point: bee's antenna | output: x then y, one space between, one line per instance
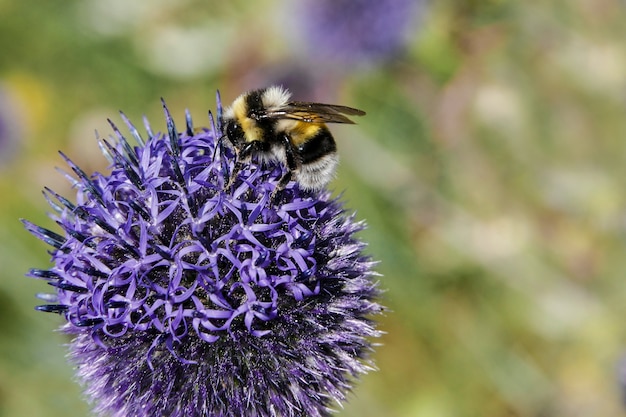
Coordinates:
218 145
215 129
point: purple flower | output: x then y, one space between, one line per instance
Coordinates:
188 295
357 31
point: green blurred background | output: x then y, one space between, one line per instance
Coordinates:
491 169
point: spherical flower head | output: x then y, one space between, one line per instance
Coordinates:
191 293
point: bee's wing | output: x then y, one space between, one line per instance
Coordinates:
314 112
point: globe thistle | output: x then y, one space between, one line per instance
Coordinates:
190 293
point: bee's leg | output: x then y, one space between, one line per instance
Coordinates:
284 180
293 164
234 173
250 148
243 156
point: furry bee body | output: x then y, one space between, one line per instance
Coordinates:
267 124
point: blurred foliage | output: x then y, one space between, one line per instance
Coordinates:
490 169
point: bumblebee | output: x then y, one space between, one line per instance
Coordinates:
265 123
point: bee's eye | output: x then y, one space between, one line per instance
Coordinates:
234 132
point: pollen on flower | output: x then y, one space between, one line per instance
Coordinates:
188 294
